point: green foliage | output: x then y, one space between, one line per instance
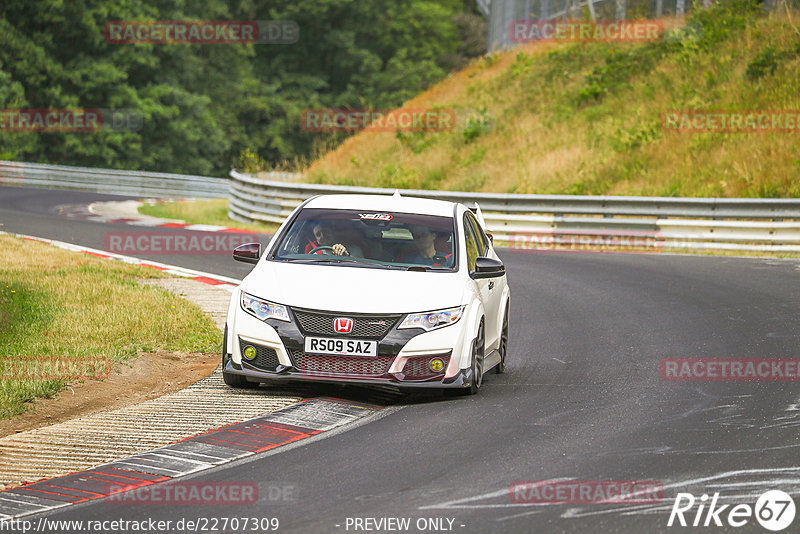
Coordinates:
490 59
704 29
22 309
476 156
522 64
672 190
684 42
767 61
250 162
476 125
632 138
767 190
417 142
723 20
203 105
619 67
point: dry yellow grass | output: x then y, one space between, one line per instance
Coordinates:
542 135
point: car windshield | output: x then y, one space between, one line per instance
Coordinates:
367 238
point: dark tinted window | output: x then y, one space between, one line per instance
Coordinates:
482 240
472 243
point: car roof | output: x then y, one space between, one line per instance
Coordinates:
384 203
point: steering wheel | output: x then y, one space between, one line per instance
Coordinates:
315 249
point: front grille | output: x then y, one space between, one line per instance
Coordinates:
266 357
364 326
322 364
417 368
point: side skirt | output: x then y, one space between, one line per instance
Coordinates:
491 360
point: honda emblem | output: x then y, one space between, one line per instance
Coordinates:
342 325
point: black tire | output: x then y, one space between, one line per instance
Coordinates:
478 352
233 380
477 347
500 368
238 381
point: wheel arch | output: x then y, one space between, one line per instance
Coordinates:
505 302
473 319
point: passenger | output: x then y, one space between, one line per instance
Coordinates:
442 244
427 252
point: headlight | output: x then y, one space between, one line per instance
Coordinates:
432 320
263 309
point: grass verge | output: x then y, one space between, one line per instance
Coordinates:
66 316
213 211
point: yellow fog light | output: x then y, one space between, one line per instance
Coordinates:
249 352
436 365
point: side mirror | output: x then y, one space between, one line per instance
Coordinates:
247 253
488 268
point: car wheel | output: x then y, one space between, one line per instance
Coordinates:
478 346
476 350
233 380
501 367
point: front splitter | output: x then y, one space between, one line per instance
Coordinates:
292 374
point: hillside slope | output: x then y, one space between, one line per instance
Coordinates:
587 118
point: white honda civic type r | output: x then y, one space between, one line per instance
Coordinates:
371 289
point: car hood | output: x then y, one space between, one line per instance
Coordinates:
353 289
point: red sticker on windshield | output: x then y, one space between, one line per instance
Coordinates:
375 216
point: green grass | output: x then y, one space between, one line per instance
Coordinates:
66 315
586 118
202 212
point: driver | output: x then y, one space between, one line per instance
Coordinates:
327 234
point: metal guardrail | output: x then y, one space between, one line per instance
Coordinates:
520 221
523 221
111 181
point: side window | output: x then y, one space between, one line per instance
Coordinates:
483 241
472 244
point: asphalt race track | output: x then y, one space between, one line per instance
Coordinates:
35 212
582 399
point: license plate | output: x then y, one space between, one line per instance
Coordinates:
341 347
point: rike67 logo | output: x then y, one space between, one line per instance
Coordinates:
774 510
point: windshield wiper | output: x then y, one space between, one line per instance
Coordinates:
326 260
424 268
362 262
338 260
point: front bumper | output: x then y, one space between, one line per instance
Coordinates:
402 354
